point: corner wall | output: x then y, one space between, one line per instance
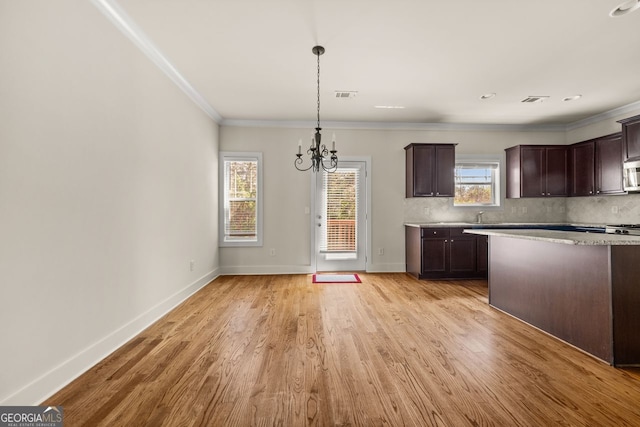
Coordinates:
108 189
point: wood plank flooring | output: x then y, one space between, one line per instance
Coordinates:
391 351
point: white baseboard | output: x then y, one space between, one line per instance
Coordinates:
252 270
398 267
249 270
40 389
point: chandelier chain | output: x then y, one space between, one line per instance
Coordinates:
318 55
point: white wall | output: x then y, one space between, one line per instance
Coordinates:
108 182
287 191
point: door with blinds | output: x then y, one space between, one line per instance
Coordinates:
341 218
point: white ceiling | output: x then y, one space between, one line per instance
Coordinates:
251 59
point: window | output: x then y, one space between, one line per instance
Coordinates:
477 183
241 199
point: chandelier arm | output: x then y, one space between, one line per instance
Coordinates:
299 161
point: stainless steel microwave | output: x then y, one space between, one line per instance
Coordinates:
632 176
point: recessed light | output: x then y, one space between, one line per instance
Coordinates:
572 98
389 107
487 96
625 8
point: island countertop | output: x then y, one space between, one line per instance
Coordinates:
564 237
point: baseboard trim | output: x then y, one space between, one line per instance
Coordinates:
387 268
48 384
253 270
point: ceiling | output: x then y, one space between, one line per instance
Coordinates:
251 60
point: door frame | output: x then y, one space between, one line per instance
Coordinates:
313 222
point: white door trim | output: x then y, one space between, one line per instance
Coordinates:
313 221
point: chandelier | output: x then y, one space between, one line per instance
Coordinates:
320 158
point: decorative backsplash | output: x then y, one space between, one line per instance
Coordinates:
622 209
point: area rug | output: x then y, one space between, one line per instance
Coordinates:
336 278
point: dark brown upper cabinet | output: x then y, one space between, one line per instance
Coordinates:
596 166
430 170
537 171
631 137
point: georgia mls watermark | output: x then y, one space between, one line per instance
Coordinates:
31 416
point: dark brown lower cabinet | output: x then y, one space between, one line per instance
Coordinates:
445 253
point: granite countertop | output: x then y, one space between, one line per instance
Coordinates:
565 237
496 224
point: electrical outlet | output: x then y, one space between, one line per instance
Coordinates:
614 209
514 209
272 252
426 211
523 209
380 251
192 265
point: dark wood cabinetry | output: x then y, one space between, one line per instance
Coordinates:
596 166
537 171
582 175
429 170
631 137
445 253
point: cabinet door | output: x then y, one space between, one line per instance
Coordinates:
462 254
424 157
631 132
609 158
556 165
532 171
434 255
582 174
445 165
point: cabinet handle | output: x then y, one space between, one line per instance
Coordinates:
435 232
446 241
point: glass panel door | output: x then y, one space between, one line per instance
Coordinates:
341 218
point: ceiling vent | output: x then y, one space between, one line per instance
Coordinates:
346 94
531 99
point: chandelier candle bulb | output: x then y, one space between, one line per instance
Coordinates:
333 142
300 146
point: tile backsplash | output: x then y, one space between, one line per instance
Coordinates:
590 210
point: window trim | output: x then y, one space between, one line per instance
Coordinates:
499 185
239 156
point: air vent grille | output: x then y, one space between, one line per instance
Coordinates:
531 99
346 94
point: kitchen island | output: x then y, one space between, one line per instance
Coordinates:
583 288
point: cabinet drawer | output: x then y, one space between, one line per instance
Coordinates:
459 232
434 233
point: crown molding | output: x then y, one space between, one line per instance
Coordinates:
128 27
395 126
634 107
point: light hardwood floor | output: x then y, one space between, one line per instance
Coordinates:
391 351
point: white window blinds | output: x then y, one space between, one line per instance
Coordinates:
340 211
240 199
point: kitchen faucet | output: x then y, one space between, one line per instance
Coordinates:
479 217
